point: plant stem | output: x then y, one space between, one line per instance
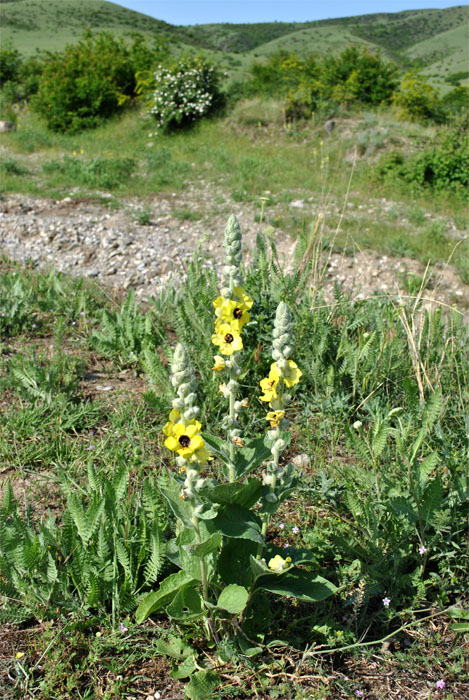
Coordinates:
203 573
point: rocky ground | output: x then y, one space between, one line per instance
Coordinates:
84 237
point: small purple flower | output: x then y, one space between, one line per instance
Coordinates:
281 526
123 628
295 530
91 447
423 550
359 693
33 325
440 684
386 602
82 313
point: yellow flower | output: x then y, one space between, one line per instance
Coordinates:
233 312
274 418
292 375
219 363
185 439
19 654
269 384
278 563
227 338
175 419
241 296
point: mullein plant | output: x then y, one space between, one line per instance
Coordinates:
220 546
232 309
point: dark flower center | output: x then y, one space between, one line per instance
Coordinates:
237 313
185 440
228 338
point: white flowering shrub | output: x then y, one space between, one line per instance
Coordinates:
185 92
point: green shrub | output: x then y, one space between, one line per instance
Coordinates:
456 101
10 62
89 81
416 100
443 166
185 92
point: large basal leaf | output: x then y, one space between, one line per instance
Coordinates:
233 562
233 598
298 584
202 685
236 493
187 605
236 521
166 592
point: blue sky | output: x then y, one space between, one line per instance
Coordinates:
240 11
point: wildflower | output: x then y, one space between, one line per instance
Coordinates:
238 441
295 530
235 313
359 693
274 418
243 298
227 338
219 363
386 602
123 628
281 526
356 426
19 654
278 563
269 384
292 374
423 550
185 440
91 447
440 684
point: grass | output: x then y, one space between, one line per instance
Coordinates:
60 435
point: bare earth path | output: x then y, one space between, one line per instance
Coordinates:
84 237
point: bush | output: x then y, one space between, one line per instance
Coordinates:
10 62
312 84
89 81
185 92
443 166
416 100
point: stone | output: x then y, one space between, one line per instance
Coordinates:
6 126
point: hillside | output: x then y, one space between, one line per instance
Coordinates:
434 39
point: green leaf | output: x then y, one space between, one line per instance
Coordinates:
217 446
233 598
298 584
207 547
187 605
402 506
202 685
239 522
432 498
458 613
184 669
171 491
175 647
239 494
233 561
166 592
424 469
460 627
252 455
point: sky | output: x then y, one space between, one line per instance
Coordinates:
242 11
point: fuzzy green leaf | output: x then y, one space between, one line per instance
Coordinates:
236 521
166 592
233 598
298 584
202 685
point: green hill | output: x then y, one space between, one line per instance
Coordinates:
434 39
